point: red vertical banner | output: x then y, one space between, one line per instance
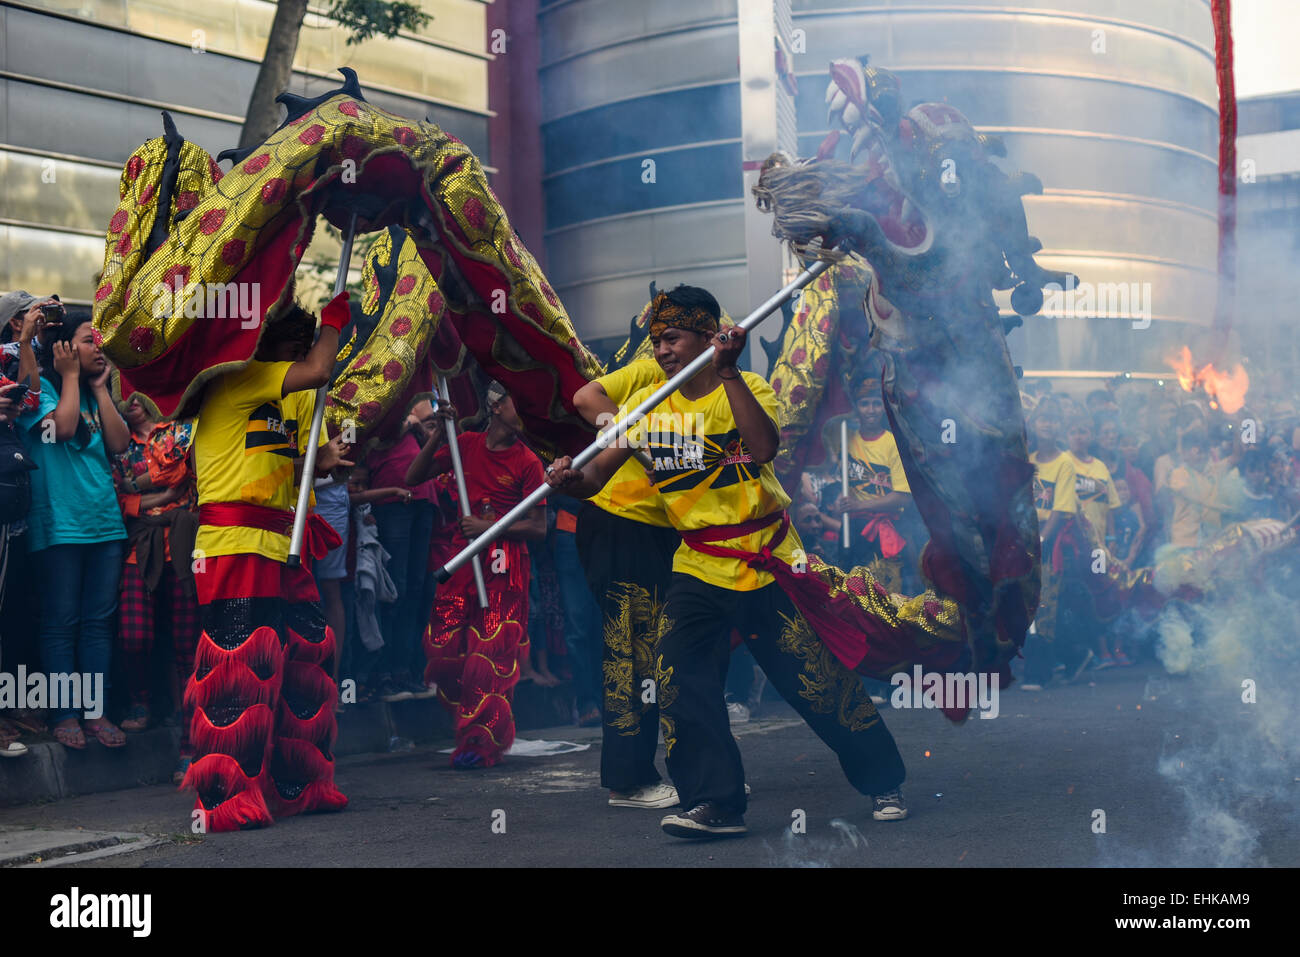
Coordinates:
1221 11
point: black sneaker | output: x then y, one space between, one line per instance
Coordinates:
889 807
704 821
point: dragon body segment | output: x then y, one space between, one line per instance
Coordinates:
335 156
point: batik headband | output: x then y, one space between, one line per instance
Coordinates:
666 314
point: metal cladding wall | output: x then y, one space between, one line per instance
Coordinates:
82 85
1112 103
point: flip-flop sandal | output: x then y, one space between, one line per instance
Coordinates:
137 720
108 735
73 738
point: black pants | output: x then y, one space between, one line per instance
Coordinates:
628 566
703 759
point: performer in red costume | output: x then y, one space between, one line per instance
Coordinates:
473 652
262 696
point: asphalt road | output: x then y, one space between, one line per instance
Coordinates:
1023 789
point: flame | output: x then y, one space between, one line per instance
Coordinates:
1226 389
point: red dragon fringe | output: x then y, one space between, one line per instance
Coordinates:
295 763
232 681
262 652
246 740
320 652
308 683
234 801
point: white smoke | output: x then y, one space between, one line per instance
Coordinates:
1235 766
847 847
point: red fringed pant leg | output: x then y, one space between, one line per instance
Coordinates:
473 657
261 697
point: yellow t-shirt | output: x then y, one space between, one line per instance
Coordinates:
706 477
1095 492
629 493
875 468
245 440
1189 488
1053 486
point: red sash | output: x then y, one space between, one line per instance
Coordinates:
319 535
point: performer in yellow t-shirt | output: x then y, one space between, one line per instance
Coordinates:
1094 488
1056 507
626 545
879 492
711 446
265 651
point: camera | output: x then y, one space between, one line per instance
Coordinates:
54 313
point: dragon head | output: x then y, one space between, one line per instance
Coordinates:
916 193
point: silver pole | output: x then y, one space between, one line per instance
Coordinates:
454 447
844 474
317 421
620 428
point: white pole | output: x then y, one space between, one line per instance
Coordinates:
844 473
317 420
454 447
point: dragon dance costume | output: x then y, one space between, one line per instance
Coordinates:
196 264
925 254
262 697
473 652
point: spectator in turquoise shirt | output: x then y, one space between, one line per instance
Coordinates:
75 528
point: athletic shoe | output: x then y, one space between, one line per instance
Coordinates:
704 821
737 713
426 691
390 691
467 761
1031 687
658 795
418 689
889 807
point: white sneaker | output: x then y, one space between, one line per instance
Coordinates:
15 749
737 713
651 796
889 807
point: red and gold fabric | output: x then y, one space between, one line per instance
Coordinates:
817 353
251 227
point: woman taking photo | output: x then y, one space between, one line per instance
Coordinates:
75 528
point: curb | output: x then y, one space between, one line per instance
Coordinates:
49 771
